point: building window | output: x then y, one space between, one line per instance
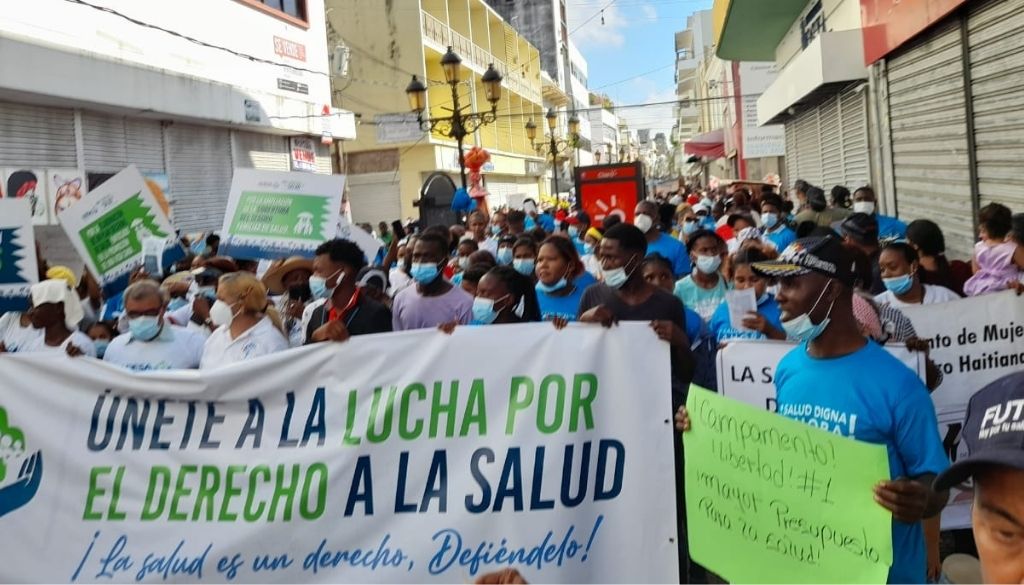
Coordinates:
296 9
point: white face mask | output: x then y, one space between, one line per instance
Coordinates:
867 207
221 313
643 223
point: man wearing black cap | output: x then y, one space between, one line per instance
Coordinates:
838 381
994 434
860 231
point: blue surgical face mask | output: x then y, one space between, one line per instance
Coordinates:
318 285
424 272
504 256
769 219
176 303
495 230
899 285
101 347
801 328
523 266
145 328
550 288
709 264
690 226
574 231
483 310
209 292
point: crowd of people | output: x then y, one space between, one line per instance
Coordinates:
828 271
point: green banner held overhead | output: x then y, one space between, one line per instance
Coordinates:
772 500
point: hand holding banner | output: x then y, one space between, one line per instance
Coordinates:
772 500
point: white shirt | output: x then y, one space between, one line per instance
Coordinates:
307 314
592 265
77 339
182 317
176 348
399 281
259 340
933 294
489 244
15 337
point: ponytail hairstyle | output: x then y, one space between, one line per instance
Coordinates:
252 294
521 288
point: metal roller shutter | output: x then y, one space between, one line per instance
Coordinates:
111 143
853 117
200 171
831 135
261 151
37 137
808 147
324 166
792 153
374 197
997 75
929 136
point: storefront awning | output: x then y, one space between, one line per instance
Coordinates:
832 61
750 30
710 145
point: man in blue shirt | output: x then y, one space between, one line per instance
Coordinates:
773 220
865 201
645 218
838 381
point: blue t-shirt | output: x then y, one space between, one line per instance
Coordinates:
871 396
724 331
890 227
781 237
566 307
672 250
546 221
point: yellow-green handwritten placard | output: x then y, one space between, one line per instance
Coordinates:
772 500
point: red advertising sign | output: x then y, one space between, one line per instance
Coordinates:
887 24
605 190
290 49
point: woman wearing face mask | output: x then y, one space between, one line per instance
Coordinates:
687 222
505 254
504 296
101 334
248 326
704 289
899 267
766 322
524 256
774 224
591 264
558 268
462 260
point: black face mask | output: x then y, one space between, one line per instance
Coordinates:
300 292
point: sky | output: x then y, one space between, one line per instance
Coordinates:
637 40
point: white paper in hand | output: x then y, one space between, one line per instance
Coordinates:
740 303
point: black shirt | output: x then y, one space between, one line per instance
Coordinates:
367 317
661 306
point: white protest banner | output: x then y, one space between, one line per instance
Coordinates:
366 242
404 457
746 369
109 225
974 341
18 270
273 215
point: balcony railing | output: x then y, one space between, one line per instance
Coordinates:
476 57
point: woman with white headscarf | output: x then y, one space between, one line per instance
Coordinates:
56 312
